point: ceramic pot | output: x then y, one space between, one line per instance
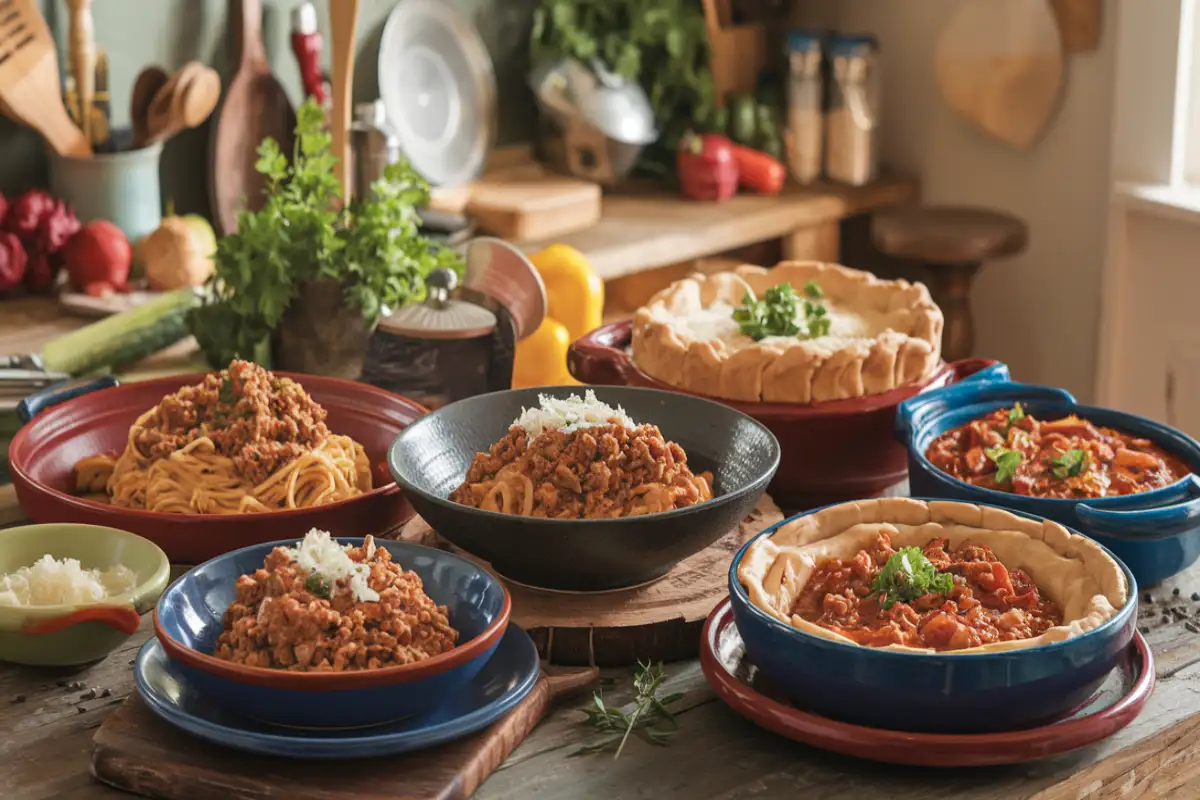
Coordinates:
320 334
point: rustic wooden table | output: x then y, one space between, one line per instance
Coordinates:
48 718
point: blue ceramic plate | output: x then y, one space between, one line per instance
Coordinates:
509 675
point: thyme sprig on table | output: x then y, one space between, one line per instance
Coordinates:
650 720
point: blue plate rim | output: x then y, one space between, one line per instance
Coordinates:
288 745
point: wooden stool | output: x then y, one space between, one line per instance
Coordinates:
950 243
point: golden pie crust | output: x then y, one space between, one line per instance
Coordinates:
1072 570
884 334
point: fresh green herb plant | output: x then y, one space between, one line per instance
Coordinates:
650 719
907 575
371 249
1069 464
662 44
1006 461
775 314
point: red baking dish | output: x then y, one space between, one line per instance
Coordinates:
834 451
43 452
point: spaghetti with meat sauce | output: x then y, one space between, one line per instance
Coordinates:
1011 451
323 607
882 597
242 440
581 459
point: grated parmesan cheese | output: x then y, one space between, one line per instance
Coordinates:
320 555
570 414
50 582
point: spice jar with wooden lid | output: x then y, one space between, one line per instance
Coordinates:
852 121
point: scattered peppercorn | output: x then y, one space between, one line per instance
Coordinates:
1149 598
19 699
1143 629
1175 591
1191 626
81 709
90 694
106 693
1196 597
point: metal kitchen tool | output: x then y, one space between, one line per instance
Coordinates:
438 84
594 123
373 146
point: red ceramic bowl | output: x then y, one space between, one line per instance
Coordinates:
43 452
834 451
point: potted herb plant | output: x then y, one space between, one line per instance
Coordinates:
304 280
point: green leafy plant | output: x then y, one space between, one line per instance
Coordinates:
651 720
662 44
372 249
907 575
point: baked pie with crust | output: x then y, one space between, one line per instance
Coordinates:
803 332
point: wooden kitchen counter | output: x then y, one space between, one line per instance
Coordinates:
638 233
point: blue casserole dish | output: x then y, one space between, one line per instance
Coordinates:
189 618
930 692
1156 534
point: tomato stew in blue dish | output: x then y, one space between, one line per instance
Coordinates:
1126 481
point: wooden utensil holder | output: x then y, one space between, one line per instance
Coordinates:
737 53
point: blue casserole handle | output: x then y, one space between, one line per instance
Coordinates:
988 385
1142 523
57 393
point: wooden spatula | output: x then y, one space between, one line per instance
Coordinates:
999 65
343 20
29 80
185 101
145 89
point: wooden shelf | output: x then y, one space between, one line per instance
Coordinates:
637 233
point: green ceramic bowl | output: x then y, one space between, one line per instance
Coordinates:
77 634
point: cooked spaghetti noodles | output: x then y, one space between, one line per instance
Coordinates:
581 459
243 440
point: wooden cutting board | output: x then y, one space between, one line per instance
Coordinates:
519 200
999 65
255 106
136 751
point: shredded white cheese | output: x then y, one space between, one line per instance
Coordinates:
50 582
570 414
320 555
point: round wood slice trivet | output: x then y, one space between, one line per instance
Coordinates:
659 621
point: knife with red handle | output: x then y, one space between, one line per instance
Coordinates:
307 43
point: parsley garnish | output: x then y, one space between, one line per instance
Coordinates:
907 575
775 314
1015 414
1069 464
1006 461
650 719
316 586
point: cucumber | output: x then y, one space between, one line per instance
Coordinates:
122 338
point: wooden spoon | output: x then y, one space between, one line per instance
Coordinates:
30 91
148 82
185 101
83 61
343 20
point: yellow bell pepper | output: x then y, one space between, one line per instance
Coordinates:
574 293
541 357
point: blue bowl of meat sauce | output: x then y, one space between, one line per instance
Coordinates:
1124 480
287 639
931 616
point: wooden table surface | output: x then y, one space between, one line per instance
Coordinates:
48 717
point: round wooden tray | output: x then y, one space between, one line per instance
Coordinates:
660 621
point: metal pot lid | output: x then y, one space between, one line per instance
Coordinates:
440 316
439 87
614 105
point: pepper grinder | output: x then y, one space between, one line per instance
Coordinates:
374 145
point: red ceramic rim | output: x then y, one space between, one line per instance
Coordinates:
120 618
21 475
339 681
621 332
919 749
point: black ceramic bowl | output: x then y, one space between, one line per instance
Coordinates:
430 459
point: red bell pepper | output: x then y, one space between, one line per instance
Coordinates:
706 167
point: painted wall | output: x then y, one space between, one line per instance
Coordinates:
137 33
1037 312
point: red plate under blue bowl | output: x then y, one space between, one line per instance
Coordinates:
737 682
